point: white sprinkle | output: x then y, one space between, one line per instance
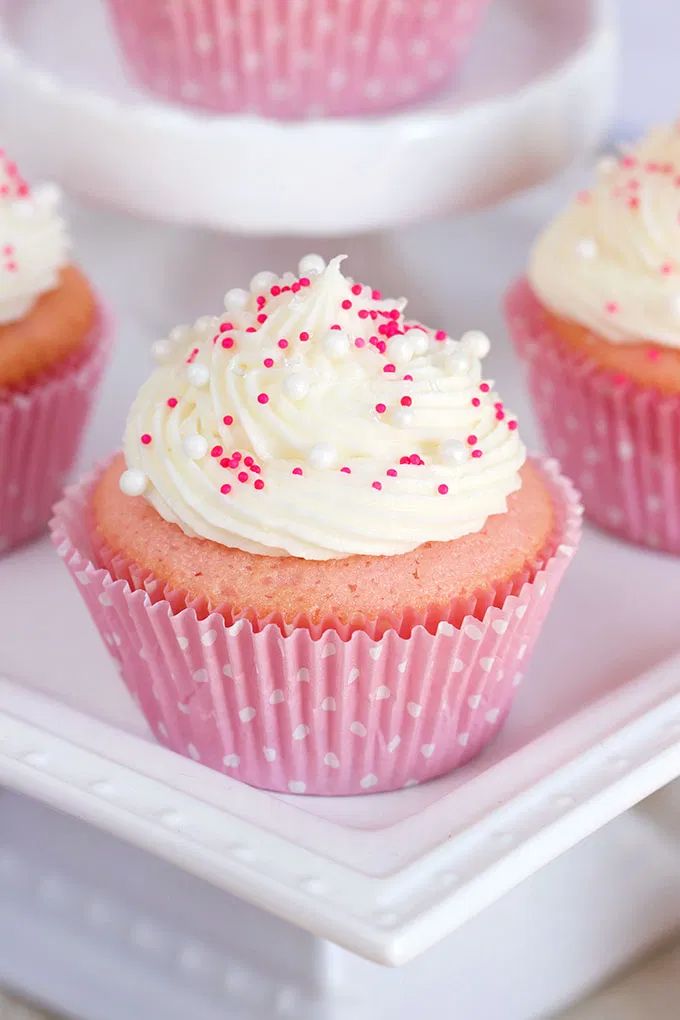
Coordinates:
263 281
401 350
419 340
322 456
586 248
476 342
178 334
458 363
133 482
161 350
453 451
296 386
336 343
311 265
195 446
403 417
206 322
198 375
236 300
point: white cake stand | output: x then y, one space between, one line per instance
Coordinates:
536 91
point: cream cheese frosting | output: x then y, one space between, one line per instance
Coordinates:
33 242
315 420
611 260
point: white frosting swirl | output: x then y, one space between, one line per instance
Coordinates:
33 242
289 439
611 260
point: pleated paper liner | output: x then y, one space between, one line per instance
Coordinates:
295 58
337 713
619 441
40 431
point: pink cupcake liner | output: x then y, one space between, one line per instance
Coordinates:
295 58
40 430
619 441
341 713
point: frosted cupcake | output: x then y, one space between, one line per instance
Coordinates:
598 323
295 58
51 353
322 557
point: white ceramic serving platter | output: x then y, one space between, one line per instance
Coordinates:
597 722
536 90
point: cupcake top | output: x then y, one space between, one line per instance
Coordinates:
611 260
33 241
315 420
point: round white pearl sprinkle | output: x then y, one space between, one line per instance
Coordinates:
263 281
206 322
322 456
453 451
336 343
403 417
133 482
198 375
586 248
236 300
401 350
458 363
311 265
296 386
476 342
161 350
178 334
195 447
418 339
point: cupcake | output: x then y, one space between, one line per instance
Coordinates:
295 58
323 556
51 353
597 321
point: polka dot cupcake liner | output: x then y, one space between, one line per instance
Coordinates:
295 58
336 714
619 441
40 431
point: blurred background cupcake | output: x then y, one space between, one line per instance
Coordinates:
51 354
295 58
598 324
324 557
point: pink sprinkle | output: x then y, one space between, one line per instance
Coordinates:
258 483
236 457
472 440
283 344
251 329
666 268
263 398
172 401
248 461
256 469
476 453
377 485
275 290
146 438
216 451
262 318
225 462
227 342
360 342
226 326
440 335
404 460
297 471
406 401
261 301
336 325
408 378
633 202
357 289
484 387
305 281
268 362
345 470
415 459
512 425
476 401
363 313
346 304
304 335
376 295
500 415
242 476
392 472
389 368
228 419
611 307
225 489
380 408
295 287
442 489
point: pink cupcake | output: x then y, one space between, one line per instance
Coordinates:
51 355
597 322
322 559
295 58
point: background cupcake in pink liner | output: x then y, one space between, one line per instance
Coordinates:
295 58
598 323
323 557
51 354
